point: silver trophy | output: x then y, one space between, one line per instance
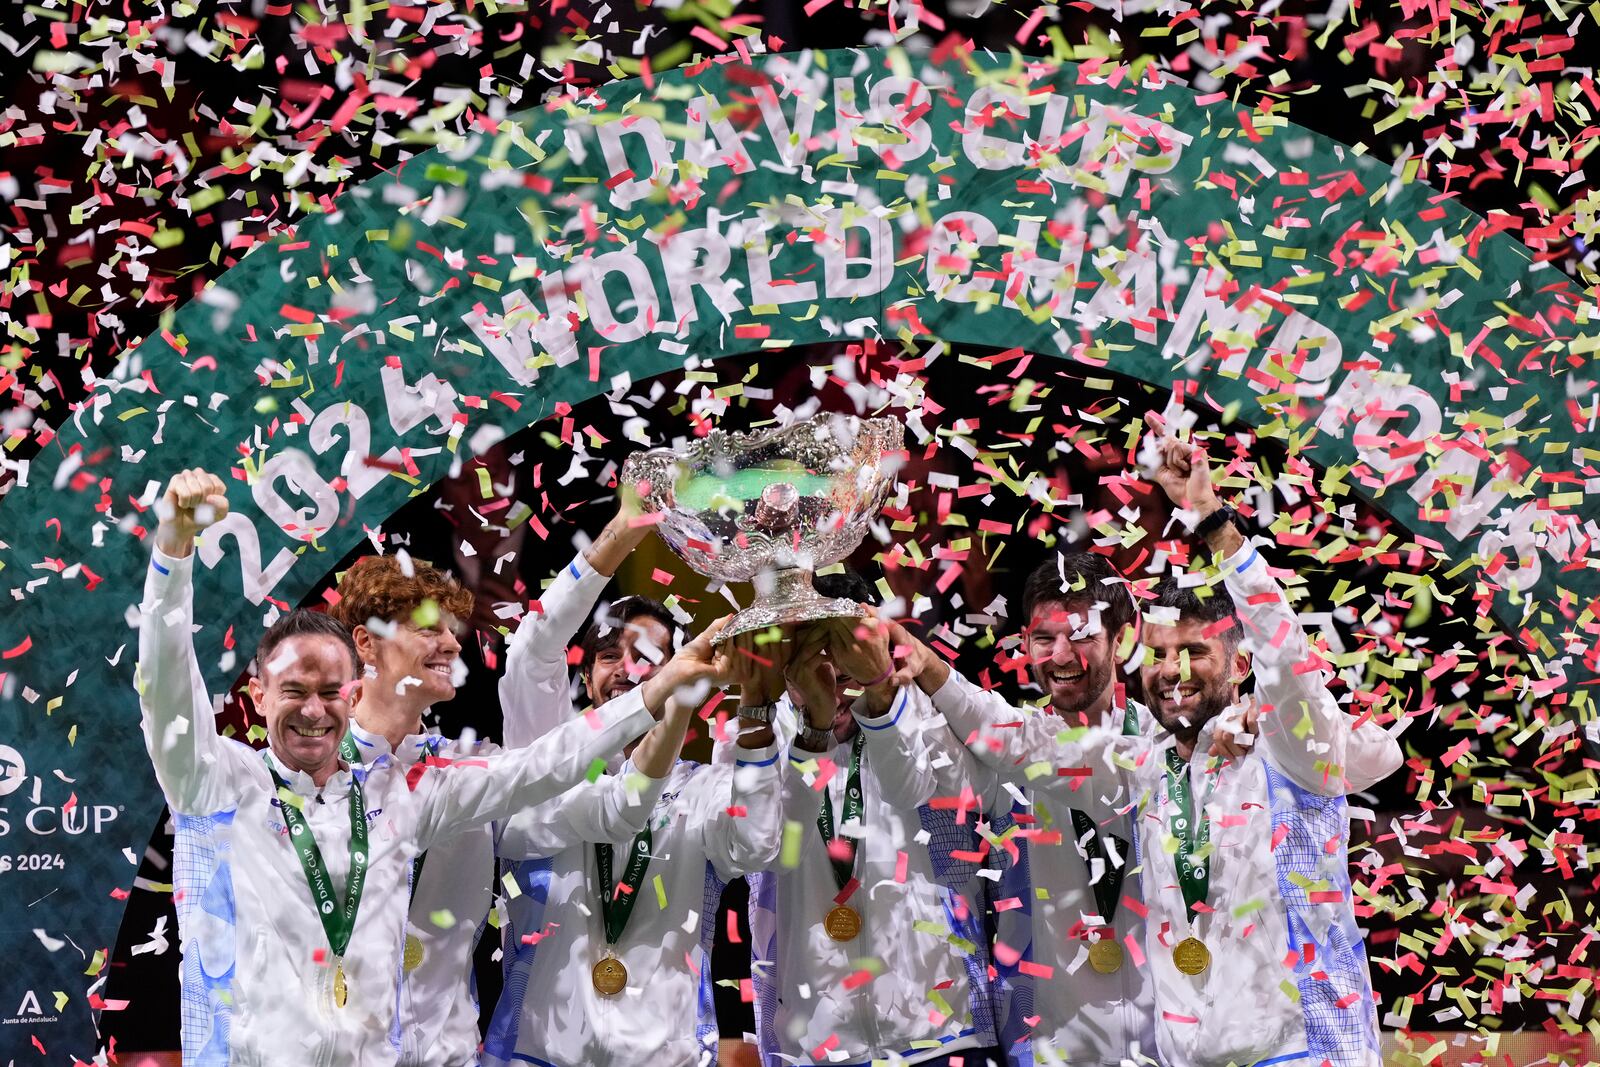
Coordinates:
771 507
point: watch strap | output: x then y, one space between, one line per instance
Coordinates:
813 739
1216 520
767 713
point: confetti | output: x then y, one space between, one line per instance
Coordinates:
1386 343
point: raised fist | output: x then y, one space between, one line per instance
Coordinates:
194 499
1183 470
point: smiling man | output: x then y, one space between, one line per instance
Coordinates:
1250 938
291 864
617 655
1067 988
404 617
1194 662
1249 855
1076 607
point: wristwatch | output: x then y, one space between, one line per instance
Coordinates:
813 739
760 712
1219 518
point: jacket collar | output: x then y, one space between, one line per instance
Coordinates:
301 784
413 747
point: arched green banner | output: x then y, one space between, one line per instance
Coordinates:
1385 334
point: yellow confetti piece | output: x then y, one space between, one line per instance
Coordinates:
793 836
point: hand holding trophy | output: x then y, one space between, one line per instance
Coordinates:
812 678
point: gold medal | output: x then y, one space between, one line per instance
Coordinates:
341 989
1191 956
1105 956
414 953
609 976
843 923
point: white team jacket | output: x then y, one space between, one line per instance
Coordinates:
921 940
256 989
449 899
1287 983
1049 1002
709 823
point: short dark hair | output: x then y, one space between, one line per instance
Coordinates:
606 632
847 585
1080 579
1200 603
303 622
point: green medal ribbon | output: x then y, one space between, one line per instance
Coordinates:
1193 831
352 756
616 911
338 917
1108 890
843 869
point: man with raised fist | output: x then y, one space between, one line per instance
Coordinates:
1238 805
291 865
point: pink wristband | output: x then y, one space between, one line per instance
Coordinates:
880 678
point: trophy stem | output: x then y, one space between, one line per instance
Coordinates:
791 585
791 602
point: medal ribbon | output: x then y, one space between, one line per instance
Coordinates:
1108 890
843 869
617 907
1193 832
352 756
338 917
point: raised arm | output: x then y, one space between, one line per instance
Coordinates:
897 748
472 792
533 689
465 793
1091 768
611 809
738 811
811 686
199 771
1304 732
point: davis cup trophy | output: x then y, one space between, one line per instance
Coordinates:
771 507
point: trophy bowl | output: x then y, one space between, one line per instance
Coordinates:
771 507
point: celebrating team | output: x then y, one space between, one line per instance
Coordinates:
937 876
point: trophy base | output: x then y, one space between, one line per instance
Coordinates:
793 603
